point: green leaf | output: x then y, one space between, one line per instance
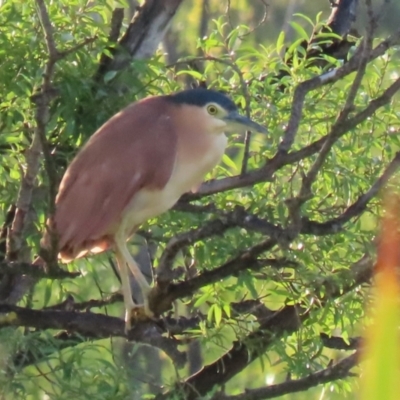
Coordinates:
217 314
280 42
194 74
108 76
230 163
300 30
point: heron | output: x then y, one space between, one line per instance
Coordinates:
135 167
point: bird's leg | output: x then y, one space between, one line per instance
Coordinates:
126 289
125 260
140 278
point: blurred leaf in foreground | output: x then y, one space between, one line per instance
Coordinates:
382 348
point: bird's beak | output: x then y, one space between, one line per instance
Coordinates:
236 121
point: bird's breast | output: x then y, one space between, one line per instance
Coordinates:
187 174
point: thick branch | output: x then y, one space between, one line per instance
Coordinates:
86 323
359 273
144 34
117 18
178 242
89 325
342 16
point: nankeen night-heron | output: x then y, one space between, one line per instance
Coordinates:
135 167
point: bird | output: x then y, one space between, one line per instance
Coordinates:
135 167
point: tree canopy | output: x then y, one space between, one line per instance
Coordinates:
261 278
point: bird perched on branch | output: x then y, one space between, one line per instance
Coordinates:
135 167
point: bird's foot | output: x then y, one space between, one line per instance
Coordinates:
137 313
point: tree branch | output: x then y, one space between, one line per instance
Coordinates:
242 353
117 18
340 370
163 295
141 39
305 192
280 160
69 303
335 225
90 325
338 343
342 16
273 325
239 217
35 271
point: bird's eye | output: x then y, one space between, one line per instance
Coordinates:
212 110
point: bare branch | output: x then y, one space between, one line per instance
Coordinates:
144 34
4 231
358 274
342 16
48 29
117 18
86 323
366 46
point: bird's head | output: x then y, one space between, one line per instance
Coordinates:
220 111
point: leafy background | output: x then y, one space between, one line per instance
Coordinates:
113 368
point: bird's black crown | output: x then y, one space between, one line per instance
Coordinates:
200 97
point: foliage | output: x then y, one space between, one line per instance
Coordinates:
300 234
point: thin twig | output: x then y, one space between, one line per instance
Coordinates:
335 225
239 217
